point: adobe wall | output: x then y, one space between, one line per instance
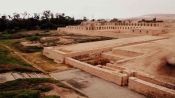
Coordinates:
134 31
59 56
150 89
115 77
152 79
48 52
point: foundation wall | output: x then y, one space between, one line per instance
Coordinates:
59 57
156 31
150 89
115 77
152 79
90 52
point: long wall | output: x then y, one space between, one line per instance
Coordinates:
150 89
115 77
135 28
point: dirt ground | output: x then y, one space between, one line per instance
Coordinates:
44 63
54 38
92 86
62 92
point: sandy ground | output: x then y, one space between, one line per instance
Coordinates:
92 86
107 44
63 92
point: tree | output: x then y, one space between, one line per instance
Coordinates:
16 16
24 14
47 14
114 20
36 16
85 19
46 20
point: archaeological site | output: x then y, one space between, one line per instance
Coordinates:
143 61
87 49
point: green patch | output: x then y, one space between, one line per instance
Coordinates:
31 49
10 62
52 96
19 35
36 37
33 38
20 94
27 49
8 42
30 83
28 88
5 36
7 58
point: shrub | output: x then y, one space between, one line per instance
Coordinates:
31 49
27 49
33 38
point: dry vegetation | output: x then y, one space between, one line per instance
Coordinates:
36 88
29 45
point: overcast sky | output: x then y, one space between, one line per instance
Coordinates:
90 8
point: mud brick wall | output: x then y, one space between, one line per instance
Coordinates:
153 79
115 77
150 89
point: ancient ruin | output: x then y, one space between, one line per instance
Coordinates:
149 27
146 64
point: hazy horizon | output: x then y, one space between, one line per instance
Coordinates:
90 8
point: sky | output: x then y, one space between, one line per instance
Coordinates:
90 8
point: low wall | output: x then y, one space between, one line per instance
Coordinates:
143 76
115 77
47 51
126 53
150 89
59 56
152 79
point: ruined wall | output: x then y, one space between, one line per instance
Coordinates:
134 31
153 79
150 89
115 77
135 28
59 56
